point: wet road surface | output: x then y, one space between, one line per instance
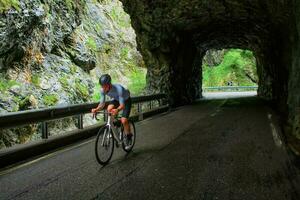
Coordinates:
216 149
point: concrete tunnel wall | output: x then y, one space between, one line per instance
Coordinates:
173 36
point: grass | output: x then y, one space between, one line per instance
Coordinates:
119 16
69 4
6 84
138 82
234 67
8 4
64 81
91 44
81 89
124 53
96 94
99 28
50 100
73 69
35 80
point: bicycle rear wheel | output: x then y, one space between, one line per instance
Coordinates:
128 148
104 146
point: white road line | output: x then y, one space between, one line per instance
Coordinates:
276 137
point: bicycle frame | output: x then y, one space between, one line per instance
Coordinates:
109 134
112 127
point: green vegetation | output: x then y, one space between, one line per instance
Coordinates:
73 69
35 80
7 4
124 53
238 66
136 86
64 81
138 81
91 43
6 84
98 28
120 17
96 93
69 4
106 48
24 103
50 100
81 89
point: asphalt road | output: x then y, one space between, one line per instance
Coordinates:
216 149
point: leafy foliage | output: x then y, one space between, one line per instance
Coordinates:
138 82
50 100
7 4
238 66
91 43
6 84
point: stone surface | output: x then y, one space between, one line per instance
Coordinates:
213 57
174 35
52 53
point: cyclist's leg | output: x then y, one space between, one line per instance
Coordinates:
112 104
125 116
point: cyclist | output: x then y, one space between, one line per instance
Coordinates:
120 101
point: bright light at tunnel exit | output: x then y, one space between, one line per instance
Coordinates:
229 67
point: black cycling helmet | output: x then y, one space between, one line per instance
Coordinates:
105 79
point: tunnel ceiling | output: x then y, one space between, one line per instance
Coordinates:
173 36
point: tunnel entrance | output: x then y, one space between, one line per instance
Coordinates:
229 70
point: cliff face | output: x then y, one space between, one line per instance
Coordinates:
53 51
173 37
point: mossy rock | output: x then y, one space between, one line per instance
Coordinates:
91 44
24 103
50 100
64 81
81 89
35 79
6 84
8 4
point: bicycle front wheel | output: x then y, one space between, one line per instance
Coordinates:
104 146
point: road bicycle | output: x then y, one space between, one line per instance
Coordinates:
111 134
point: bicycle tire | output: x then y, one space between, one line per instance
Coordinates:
132 126
99 140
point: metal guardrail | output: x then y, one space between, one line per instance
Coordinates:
43 116
14 119
39 115
231 88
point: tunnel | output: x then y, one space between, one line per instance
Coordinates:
173 37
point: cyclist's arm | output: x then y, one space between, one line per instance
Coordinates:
101 104
121 107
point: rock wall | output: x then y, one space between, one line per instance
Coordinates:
53 51
294 76
50 51
162 26
172 33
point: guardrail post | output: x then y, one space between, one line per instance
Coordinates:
45 133
150 105
140 112
79 122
